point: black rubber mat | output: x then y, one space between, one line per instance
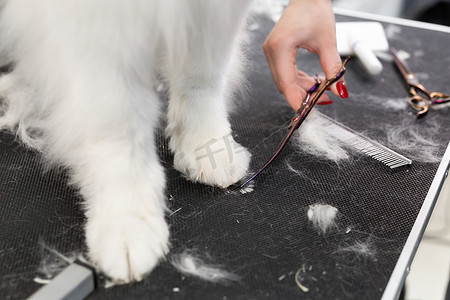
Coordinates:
263 236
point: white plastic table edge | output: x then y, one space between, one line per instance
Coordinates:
392 20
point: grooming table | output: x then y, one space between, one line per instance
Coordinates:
264 236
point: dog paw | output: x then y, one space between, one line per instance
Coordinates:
219 161
125 247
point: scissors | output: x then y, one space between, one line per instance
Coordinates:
418 102
300 116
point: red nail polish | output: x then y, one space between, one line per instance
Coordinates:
342 89
325 103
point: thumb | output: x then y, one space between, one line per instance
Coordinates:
331 63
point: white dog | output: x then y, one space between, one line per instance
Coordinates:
81 92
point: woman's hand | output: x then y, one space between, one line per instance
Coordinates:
307 24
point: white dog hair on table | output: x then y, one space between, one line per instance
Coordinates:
317 140
189 262
322 217
81 92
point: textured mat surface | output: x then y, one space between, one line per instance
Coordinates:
263 236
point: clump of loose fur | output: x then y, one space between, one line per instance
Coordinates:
324 140
317 140
418 143
359 248
189 263
322 217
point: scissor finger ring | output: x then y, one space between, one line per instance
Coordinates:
420 104
437 98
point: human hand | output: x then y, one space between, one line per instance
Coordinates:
307 24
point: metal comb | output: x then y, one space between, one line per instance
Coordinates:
365 145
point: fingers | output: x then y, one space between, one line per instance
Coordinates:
306 82
331 65
294 95
281 57
330 60
308 25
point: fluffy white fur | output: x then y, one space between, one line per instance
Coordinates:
190 263
81 91
322 139
316 139
322 217
359 248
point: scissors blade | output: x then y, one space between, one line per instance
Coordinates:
409 76
301 115
293 126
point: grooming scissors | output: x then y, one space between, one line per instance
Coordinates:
300 116
418 102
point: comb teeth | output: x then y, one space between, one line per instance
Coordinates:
365 145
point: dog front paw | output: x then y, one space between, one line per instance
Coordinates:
127 246
219 161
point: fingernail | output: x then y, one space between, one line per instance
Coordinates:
342 89
325 103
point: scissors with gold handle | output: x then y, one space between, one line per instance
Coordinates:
420 98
